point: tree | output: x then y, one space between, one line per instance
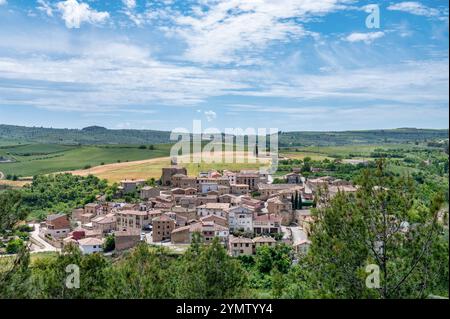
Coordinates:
270 258
278 283
49 275
15 275
109 244
14 246
206 271
296 200
373 227
11 209
300 202
142 273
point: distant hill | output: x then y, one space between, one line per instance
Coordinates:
397 136
87 136
99 135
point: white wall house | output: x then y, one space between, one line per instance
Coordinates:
90 245
240 218
208 187
218 209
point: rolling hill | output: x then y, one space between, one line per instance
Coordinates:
96 135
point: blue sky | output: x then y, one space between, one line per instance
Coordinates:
159 64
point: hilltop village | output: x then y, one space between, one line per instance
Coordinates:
245 210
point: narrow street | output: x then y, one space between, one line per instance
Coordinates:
40 244
295 233
298 235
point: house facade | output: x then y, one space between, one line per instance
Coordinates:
240 218
132 219
162 228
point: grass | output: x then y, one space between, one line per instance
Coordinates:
6 260
346 151
116 162
44 159
152 168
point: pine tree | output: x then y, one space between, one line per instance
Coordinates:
296 200
300 202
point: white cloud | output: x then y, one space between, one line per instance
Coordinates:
46 7
421 82
104 75
75 13
138 18
130 4
219 30
210 115
414 7
364 37
3 2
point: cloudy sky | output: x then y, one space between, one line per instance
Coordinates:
159 64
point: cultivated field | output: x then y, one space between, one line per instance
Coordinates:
346 151
34 159
151 168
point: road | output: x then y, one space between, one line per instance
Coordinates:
295 233
43 245
2 176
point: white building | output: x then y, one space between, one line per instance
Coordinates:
240 218
90 245
208 187
218 209
231 176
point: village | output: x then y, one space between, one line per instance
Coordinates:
244 210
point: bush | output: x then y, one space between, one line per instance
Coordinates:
109 244
14 246
24 228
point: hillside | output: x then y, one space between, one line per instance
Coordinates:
87 136
393 136
95 135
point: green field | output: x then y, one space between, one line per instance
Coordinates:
33 159
36 159
344 151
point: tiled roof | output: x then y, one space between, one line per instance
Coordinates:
215 206
240 240
264 240
90 241
133 212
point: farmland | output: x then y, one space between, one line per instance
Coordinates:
344 151
151 168
33 159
